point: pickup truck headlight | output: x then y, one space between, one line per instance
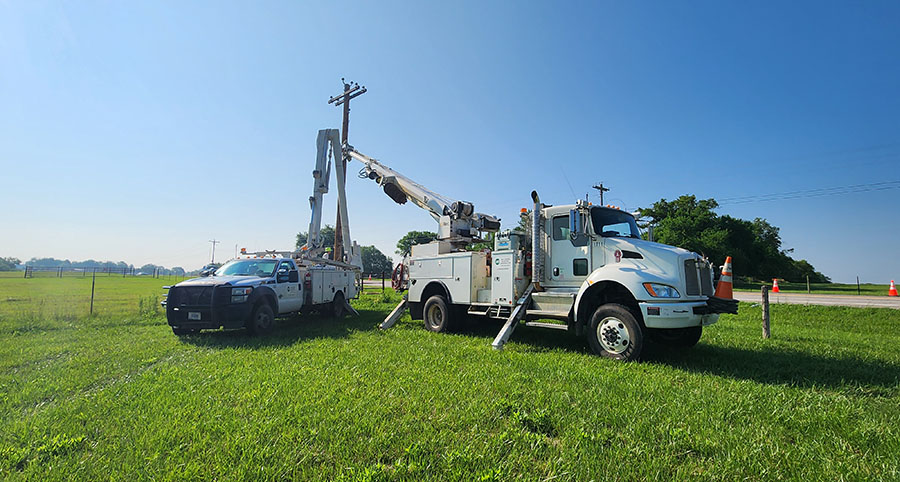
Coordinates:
657 290
239 295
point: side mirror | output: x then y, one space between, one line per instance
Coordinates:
293 276
576 229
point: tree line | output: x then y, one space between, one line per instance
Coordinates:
9 264
755 246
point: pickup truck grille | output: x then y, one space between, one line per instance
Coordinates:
697 281
191 296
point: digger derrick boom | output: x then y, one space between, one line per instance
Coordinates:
458 221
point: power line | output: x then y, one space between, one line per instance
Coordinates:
807 193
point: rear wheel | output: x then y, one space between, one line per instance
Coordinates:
262 320
678 337
615 333
437 314
337 305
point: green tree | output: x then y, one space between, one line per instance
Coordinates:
374 261
755 246
327 234
9 264
414 237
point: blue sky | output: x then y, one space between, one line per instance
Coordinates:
140 130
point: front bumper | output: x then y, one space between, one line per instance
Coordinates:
211 317
677 315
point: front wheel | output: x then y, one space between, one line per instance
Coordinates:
678 337
615 333
262 320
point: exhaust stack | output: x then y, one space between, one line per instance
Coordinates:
537 254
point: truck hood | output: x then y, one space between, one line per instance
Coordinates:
656 256
224 281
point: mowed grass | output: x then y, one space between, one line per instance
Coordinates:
119 396
865 289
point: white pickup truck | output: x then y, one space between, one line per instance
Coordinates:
249 292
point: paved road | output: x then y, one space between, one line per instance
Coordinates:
825 300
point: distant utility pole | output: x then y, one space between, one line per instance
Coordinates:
602 190
214 243
351 91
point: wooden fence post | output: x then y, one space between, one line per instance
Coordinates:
93 280
765 312
382 281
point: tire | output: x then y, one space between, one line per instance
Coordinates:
184 331
615 333
437 314
337 305
261 320
677 337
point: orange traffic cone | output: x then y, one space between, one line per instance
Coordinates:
724 288
892 291
775 286
370 277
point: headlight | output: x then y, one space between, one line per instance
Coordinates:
661 291
240 295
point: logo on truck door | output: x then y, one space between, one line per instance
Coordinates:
618 255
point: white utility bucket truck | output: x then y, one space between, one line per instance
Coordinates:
251 290
584 265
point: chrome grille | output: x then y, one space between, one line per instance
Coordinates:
692 284
697 281
706 286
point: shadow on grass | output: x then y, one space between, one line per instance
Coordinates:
780 367
773 367
528 338
289 331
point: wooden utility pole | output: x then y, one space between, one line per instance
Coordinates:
351 91
602 190
214 243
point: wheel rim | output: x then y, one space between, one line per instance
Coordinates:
613 335
435 316
262 320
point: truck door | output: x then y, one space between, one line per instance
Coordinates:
287 287
567 264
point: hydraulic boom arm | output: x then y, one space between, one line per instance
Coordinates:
327 145
459 223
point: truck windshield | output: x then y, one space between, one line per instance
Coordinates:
611 223
248 267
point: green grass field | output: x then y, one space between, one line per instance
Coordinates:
119 396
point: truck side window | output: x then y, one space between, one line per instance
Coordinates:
580 267
561 228
285 267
